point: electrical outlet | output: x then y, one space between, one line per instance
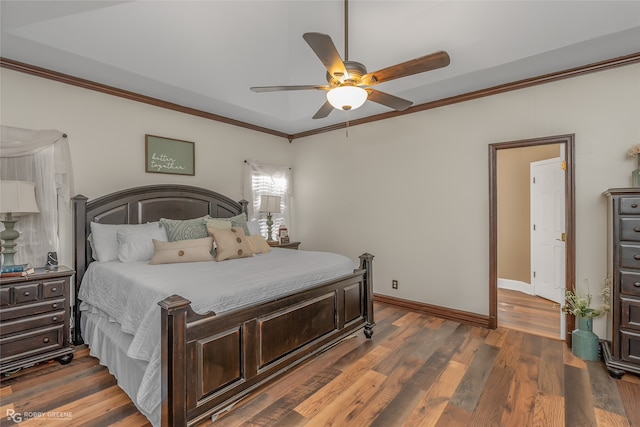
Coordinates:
394 284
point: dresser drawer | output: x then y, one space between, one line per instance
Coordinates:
5 297
630 347
629 205
53 288
32 309
32 322
630 313
629 256
630 283
25 293
630 229
29 343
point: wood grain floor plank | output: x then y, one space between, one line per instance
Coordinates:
472 386
454 416
346 409
552 372
579 404
549 410
630 396
433 404
604 390
521 402
335 388
610 419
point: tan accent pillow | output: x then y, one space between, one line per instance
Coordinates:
192 250
258 244
231 243
224 224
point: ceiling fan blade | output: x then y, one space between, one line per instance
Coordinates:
414 66
280 88
323 47
390 101
323 111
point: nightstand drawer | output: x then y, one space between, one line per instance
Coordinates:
630 205
630 283
630 315
629 256
32 322
23 345
53 289
25 293
630 228
32 309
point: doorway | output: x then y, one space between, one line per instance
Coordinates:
518 262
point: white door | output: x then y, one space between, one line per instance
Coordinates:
548 229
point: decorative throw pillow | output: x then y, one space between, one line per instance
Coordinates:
235 221
136 244
258 244
231 243
222 223
104 238
187 229
193 250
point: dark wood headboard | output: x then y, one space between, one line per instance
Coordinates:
140 205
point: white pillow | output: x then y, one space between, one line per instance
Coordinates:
105 239
253 226
136 244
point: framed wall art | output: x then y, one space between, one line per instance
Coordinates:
167 155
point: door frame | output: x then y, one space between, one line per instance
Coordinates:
570 201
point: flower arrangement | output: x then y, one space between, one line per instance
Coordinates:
581 306
633 151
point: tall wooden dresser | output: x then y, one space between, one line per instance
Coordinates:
34 319
622 354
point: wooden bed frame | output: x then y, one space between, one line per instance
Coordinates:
211 361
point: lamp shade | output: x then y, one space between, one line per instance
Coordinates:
270 204
347 97
18 198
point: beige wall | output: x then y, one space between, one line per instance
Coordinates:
412 190
514 209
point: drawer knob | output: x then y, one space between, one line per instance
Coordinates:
54 318
27 293
46 340
55 289
635 205
637 256
637 229
636 284
54 305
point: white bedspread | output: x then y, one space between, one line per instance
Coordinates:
128 293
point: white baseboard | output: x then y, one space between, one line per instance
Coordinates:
515 285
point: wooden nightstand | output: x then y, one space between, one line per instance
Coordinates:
290 245
34 318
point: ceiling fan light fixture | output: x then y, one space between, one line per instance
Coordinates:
347 97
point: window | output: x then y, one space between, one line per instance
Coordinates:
268 180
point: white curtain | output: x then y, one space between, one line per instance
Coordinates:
43 158
260 179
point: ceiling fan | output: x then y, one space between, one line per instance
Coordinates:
349 83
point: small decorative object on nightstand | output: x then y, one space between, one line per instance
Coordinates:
284 235
34 319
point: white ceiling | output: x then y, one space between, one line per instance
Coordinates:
206 54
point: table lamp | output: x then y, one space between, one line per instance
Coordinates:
16 198
270 205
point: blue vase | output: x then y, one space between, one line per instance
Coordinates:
585 344
635 175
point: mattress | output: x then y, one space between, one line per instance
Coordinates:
125 296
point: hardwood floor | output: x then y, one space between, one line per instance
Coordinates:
528 313
417 370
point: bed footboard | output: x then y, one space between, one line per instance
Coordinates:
211 361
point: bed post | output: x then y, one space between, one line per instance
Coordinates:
366 263
173 356
80 259
244 206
